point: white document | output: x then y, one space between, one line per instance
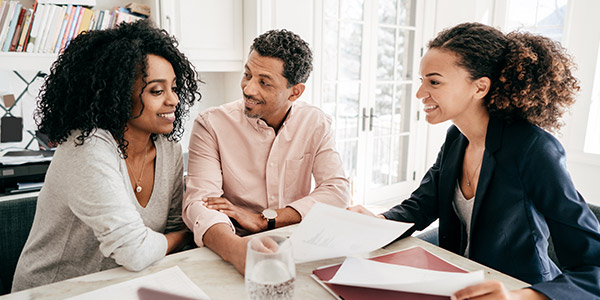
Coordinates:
328 231
378 275
171 283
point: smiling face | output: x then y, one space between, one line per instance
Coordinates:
159 97
265 90
447 90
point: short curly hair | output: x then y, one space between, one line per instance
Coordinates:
289 48
90 86
531 75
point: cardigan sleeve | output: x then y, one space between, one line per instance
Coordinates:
573 227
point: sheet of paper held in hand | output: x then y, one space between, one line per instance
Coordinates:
373 274
327 231
170 283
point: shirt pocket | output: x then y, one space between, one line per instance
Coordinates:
297 177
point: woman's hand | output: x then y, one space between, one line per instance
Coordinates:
362 210
177 239
493 289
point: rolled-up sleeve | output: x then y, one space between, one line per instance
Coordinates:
204 179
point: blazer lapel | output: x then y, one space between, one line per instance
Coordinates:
493 142
449 223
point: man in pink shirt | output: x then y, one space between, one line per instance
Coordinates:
251 160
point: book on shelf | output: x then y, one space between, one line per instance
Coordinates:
68 15
3 12
25 41
86 21
62 38
14 19
76 25
10 10
44 27
413 257
24 30
54 29
41 13
17 32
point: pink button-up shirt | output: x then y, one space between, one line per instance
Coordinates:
242 159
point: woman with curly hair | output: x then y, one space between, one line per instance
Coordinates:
499 186
115 101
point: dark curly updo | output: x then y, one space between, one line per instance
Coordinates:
291 49
530 74
90 86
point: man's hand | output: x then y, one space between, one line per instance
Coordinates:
248 220
493 289
362 210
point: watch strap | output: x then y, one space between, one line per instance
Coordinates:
270 224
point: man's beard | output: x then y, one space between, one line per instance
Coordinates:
250 114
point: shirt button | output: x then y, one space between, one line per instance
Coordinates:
272 197
271 164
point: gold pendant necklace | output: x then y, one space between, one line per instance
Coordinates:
474 172
138 187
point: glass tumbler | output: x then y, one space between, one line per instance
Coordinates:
270 269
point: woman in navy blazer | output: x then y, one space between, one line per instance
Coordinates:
499 186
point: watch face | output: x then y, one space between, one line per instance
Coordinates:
269 213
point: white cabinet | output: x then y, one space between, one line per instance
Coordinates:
209 32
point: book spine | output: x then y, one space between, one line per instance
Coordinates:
24 29
38 19
39 47
31 22
73 25
12 27
62 40
6 24
63 27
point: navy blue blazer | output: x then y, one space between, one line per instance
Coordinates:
524 196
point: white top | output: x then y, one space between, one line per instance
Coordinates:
464 209
88 219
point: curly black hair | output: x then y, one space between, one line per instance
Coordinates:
531 75
288 47
90 86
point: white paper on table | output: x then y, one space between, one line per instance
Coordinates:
378 275
171 280
328 231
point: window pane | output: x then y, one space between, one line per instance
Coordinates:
399 159
382 119
328 99
387 11
347 112
402 101
348 151
404 64
330 8
352 9
350 48
541 17
407 12
385 53
521 14
330 48
380 162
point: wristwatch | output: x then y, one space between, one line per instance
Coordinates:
270 215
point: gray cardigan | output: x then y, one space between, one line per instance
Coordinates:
88 219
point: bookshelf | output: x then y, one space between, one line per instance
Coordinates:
25 61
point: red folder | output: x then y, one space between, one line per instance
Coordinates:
413 257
